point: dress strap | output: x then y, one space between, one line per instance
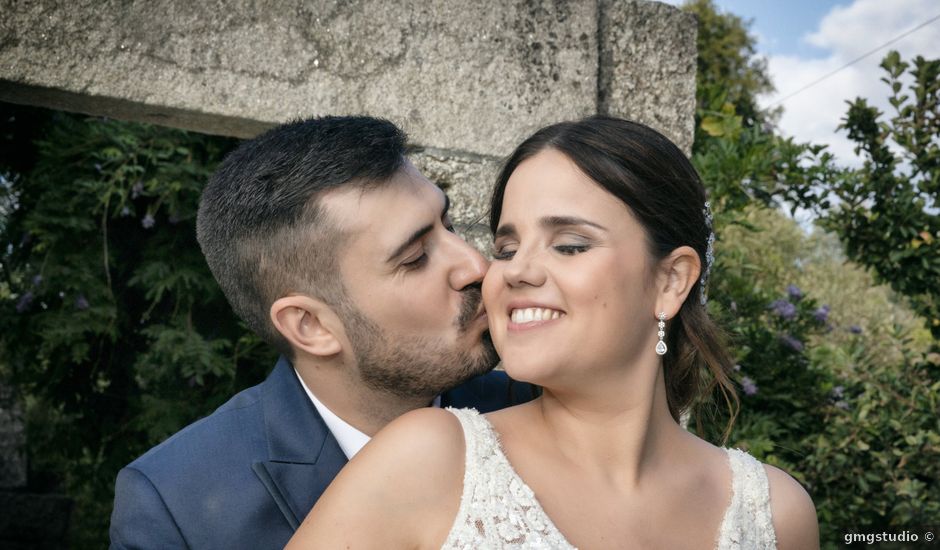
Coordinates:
748 522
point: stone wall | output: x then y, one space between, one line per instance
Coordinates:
473 77
467 80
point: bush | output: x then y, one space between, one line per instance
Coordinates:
841 396
111 325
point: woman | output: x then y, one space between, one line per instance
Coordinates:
595 293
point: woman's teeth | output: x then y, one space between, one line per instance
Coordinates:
532 314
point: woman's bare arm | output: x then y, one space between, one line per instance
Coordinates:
402 490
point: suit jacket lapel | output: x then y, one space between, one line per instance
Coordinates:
304 455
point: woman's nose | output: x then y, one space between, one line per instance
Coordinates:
523 270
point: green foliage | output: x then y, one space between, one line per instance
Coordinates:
886 212
866 368
110 323
729 72
877 463
839 382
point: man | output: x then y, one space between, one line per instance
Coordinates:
336 250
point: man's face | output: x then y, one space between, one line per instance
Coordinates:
413 310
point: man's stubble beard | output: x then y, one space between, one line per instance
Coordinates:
413 366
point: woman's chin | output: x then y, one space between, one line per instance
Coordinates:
527 371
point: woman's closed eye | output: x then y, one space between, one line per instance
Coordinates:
504 253
571 249
507 253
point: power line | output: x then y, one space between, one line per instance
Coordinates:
854 61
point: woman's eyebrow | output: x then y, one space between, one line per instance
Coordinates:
549 222
552 222
505 231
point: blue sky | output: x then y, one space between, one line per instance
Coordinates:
780 26
804 41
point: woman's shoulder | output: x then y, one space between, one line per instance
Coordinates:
427 441
768 497
793 511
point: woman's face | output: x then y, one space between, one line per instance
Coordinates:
569 291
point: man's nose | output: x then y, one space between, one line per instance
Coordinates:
469 266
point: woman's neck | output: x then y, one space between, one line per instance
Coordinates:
622 431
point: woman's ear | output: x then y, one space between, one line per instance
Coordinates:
677 275
308 324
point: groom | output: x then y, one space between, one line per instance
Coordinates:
329 244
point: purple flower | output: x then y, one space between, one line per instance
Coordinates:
737 368
795 293
748 385
37 280
125 212
24 302
137 189
842 404
783 308
148 221
81 303
838 392
97 167
791 342
822 314
855 329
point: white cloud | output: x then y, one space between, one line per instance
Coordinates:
848 32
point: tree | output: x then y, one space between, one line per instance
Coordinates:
729 71
886 212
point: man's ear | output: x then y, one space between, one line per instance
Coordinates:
308 324
677 275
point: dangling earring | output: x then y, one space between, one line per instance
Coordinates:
661 345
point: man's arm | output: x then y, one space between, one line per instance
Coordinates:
140 518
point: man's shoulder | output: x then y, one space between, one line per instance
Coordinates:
490 392
211 437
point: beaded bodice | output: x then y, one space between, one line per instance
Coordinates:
498 510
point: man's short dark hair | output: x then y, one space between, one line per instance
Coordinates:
260 224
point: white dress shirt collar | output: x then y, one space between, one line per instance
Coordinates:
349 438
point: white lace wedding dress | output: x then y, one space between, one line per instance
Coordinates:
498 510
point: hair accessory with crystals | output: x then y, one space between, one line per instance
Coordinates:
709 251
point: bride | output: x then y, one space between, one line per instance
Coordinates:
602 243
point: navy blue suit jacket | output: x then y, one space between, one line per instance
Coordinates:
247 475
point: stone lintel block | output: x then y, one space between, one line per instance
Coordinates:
648 60
469 76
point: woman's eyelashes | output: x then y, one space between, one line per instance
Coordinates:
507 252
503 254
571 249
